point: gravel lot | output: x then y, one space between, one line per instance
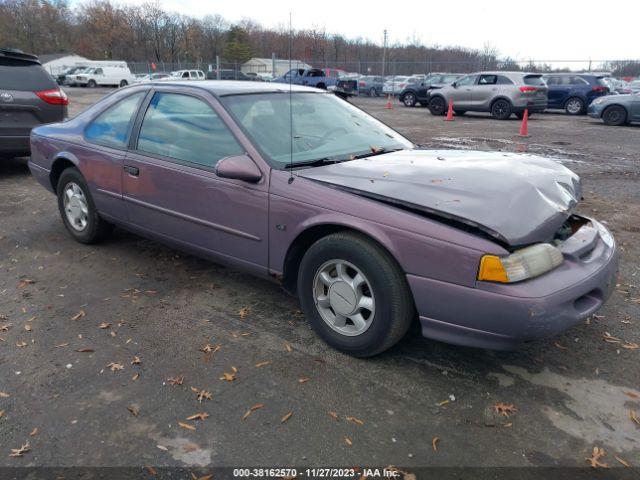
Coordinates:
132 299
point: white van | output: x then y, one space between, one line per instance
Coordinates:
107 75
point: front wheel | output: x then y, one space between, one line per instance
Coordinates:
92 84
615 115
501 109
574 106
77 209
409 99
437 106
354 294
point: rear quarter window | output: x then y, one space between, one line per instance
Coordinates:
112 127
534 80
24 76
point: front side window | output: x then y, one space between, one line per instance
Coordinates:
310 126
465 81
186 128
112 127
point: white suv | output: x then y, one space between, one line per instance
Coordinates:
186 75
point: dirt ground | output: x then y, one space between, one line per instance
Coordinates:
70 314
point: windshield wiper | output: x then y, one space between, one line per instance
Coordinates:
378 151
314 163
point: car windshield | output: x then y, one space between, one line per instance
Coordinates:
324 127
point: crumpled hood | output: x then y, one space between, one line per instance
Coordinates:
517 198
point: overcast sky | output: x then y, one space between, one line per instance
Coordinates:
525 29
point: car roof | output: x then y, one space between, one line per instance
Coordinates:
231 87
15 54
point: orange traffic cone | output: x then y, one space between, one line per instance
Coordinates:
449 117
524 127
389 105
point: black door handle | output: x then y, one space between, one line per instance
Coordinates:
134 171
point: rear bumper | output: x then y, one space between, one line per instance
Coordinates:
533 107
41 175
15 145
490 319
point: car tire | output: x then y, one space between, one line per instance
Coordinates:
123 83
437 106
373 92
388 305
409 99
614 115
501 109
78 212
575 106
92 84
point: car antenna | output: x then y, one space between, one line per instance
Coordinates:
290 107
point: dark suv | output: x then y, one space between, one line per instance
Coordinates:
418 92
29 96
574 92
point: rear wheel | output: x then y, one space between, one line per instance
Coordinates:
123 83
615 115
373 92
574 106
501 109
354 294
437 106
92 84
77 209
409 99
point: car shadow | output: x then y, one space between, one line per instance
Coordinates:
14 167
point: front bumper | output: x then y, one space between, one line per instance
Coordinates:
595 111
506 316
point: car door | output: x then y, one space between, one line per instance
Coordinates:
485 89
99 76
635 107
170 186
461 94
558 90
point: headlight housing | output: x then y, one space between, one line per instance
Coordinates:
528 262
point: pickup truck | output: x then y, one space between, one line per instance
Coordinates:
325 79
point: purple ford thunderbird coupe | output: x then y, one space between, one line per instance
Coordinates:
367 229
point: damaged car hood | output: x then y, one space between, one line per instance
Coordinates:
518 199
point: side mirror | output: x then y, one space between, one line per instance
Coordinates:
454 84
239 167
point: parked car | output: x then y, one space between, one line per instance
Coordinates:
616 109
418 93
573 92
325 79
228 74
395 85
106 76
150 77
500 93
485 248
29 96
617 86
186 75
370 85
61 79
634 86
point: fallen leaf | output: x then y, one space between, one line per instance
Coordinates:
633 417
263 364
34 432
190 447
151 470
607 337
27 328
24 282
208 348
348 441
4 395
135 377
287 347
175 380
85 350
136 360
252 409
632 395
434 443
21 344
594 460
134 410
1 413
199 416
630 346
19 452
114 366
244 311
186 426
303 380
104 325
505 409
622 461
202 394
62 345
229 377
355 420
334 415
162 447
5 327
286 417
78 315
561 347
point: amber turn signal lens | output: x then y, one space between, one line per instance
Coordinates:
492 270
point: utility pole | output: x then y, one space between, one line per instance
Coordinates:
384 51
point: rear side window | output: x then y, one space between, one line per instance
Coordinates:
534 80
112 127
24 76
502 80
577 81
186 128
